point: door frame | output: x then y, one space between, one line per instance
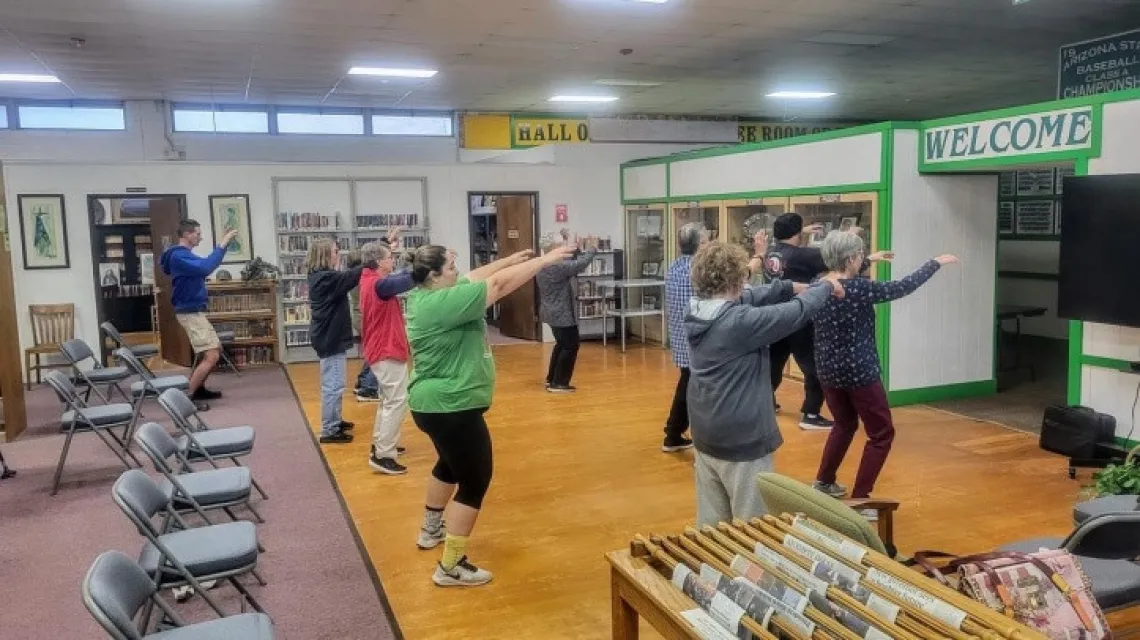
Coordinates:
536 217
91 197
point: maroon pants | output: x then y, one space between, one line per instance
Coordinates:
847 407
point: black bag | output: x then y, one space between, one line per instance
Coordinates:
1074 431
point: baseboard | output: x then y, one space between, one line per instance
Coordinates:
945 392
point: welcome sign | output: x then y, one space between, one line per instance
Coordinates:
1011 136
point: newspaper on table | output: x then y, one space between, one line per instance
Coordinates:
725 602
1038 603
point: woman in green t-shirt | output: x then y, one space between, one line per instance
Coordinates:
453 377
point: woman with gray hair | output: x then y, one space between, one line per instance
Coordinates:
558 308
847 362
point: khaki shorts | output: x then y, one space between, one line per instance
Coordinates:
200 331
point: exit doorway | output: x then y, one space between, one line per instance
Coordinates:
502 223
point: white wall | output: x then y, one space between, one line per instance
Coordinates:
842 161
1103 389
943 333
584 179
645 182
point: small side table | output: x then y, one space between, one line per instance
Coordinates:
623 313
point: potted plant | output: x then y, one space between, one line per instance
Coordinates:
1119 479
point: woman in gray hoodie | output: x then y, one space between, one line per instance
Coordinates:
732 418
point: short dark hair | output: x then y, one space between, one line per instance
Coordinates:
787 226
187 226
427 260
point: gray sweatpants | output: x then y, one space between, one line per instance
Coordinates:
727 490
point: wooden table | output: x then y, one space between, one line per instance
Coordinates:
637 590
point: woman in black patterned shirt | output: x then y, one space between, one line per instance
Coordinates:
847 362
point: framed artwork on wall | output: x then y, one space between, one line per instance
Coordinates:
43 231
232 212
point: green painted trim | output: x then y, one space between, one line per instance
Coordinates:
944 392
1008 161
997 276
883 243
1124 366
1076 346
777 193
1028 275
636 201
668 182
621 191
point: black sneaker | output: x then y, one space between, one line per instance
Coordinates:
673 445
345 425
367 396
776 406
561 388
202 393
816 422
337 438
387 465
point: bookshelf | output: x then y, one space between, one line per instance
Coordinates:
354 211
249 309
594 300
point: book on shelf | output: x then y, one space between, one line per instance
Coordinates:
595 308
297 337
295 290
252 355
387 220
237 302
291 221
604 245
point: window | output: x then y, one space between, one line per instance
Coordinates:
205 119
3 115
67 116
326 122
424 125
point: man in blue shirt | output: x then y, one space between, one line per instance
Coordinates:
188 295
678 292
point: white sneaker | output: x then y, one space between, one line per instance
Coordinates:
431 539
463 574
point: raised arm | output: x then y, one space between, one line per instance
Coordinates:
569 268
346 281
877 292
771 323
486 271
505 280
761 295
394 285
193 265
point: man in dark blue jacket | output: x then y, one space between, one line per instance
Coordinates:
188 295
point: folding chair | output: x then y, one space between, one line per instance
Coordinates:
225 338
76 351
190 556
148 385
195 491
140 350
200 442
100 420
116 588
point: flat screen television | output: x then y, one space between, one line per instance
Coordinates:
1100 250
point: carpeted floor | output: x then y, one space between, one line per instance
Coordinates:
319 587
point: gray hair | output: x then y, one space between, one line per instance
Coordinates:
839 247
373 252
689 237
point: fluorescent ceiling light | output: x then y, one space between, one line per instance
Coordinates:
388 72
27 77
583 98
801 95
852 39
652 1
611 82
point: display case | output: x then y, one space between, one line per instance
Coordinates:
743 218
645 230
707 213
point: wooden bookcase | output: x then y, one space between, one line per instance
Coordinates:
249 309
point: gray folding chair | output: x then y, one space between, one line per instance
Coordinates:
100 420
148 384
225 338
1108 549
116 588
1105 505
140 350
195 491
76 351
200 442
189 556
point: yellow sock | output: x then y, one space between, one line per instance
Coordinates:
453 549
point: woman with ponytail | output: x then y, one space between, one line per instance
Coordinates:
453 377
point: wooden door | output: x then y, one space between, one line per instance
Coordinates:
11 384
518 312
165 214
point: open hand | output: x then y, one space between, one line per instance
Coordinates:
521 256
882 256
393 236
229 237
946 259
558 254
837 289
760 242
814 228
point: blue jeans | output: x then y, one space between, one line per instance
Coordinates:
332 392
366 381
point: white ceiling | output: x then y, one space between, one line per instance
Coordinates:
712 56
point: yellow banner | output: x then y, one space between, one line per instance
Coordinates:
769 131
486 131
532 132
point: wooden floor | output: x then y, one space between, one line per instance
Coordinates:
579 475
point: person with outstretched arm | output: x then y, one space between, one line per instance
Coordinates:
188 295
558 308
848 363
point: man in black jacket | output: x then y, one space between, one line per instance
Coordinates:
330 331
788 260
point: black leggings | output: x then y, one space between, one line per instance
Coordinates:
463 445
563 356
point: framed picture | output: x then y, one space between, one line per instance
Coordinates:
232 212
146 268
110 274
650 268
43 231
847 222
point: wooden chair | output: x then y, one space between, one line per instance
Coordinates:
52 325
